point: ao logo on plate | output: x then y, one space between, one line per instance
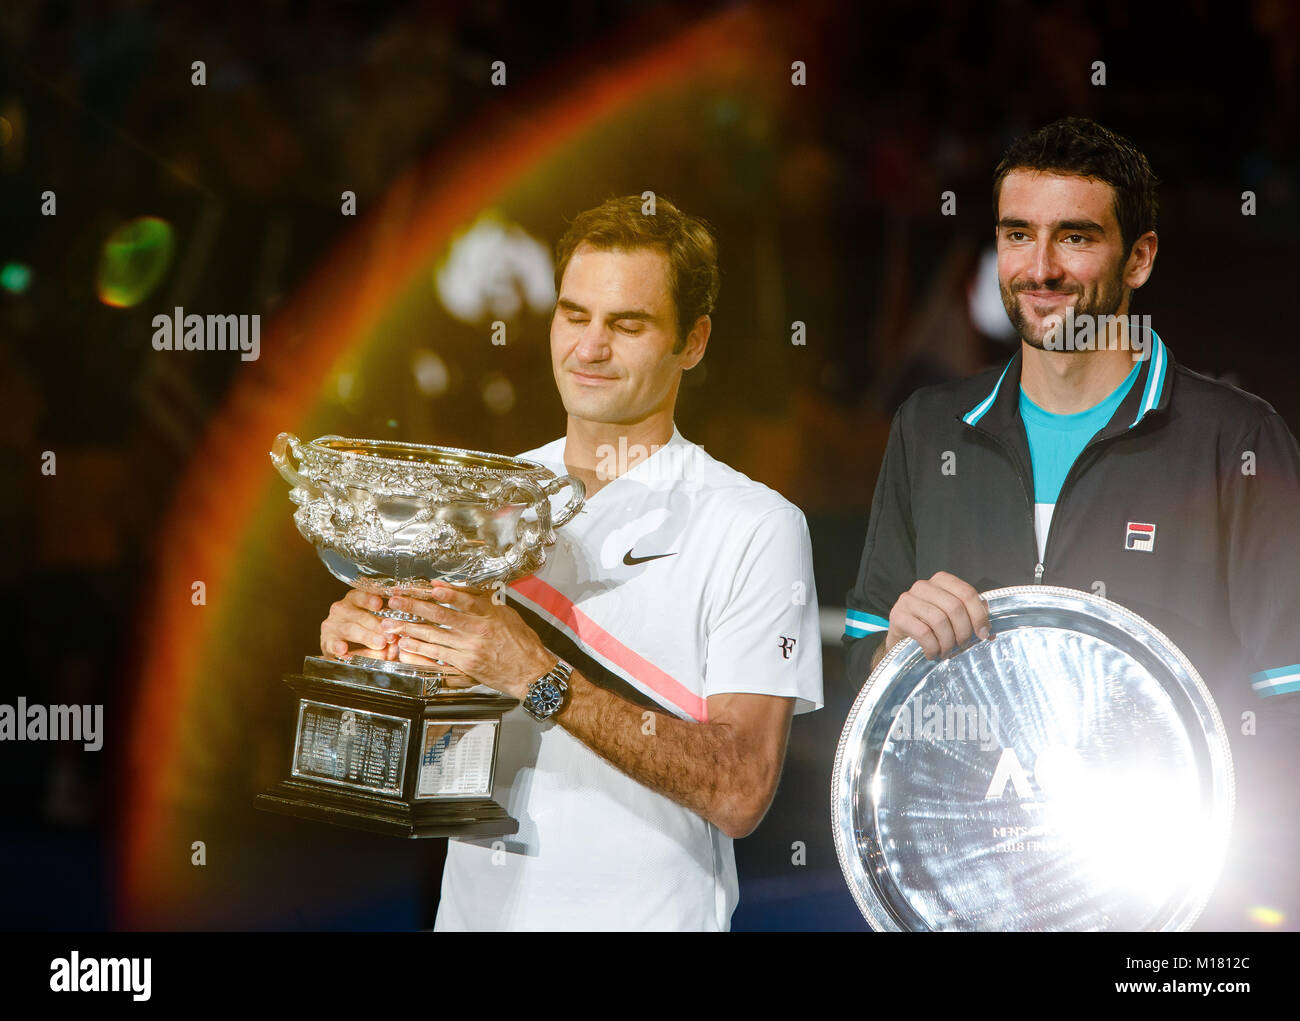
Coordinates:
1057 771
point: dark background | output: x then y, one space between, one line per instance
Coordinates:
826 203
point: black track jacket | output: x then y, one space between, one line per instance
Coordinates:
1215 470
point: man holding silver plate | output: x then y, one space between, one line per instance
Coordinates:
1144 517
660 651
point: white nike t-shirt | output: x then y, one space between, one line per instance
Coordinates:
679 580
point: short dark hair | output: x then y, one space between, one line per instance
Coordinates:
1076 145
687 241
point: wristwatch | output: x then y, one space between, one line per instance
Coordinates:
547 694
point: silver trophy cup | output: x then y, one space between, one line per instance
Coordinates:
380 744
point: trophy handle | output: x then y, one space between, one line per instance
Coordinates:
287 446
517 488
575 501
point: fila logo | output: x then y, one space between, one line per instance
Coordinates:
787 646
1140 536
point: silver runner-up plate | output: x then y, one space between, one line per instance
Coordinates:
1071 773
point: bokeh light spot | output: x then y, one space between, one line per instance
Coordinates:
349 389
432 377
493 271
134 261
498 394
15 277
1267 916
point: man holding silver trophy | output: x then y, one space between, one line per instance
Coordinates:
663 647
1092 462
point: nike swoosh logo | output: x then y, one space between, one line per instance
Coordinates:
632 561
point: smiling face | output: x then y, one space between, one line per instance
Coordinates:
613 334
1059 245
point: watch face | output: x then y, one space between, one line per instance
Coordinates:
545 698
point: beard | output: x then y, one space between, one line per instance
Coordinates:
1104 300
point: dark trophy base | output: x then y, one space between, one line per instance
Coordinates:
483 818
373 751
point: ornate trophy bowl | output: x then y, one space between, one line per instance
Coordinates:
384 515
380 744
1070 774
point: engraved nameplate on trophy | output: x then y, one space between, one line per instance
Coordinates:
350 747
457 760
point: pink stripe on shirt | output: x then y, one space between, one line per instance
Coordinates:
595 637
